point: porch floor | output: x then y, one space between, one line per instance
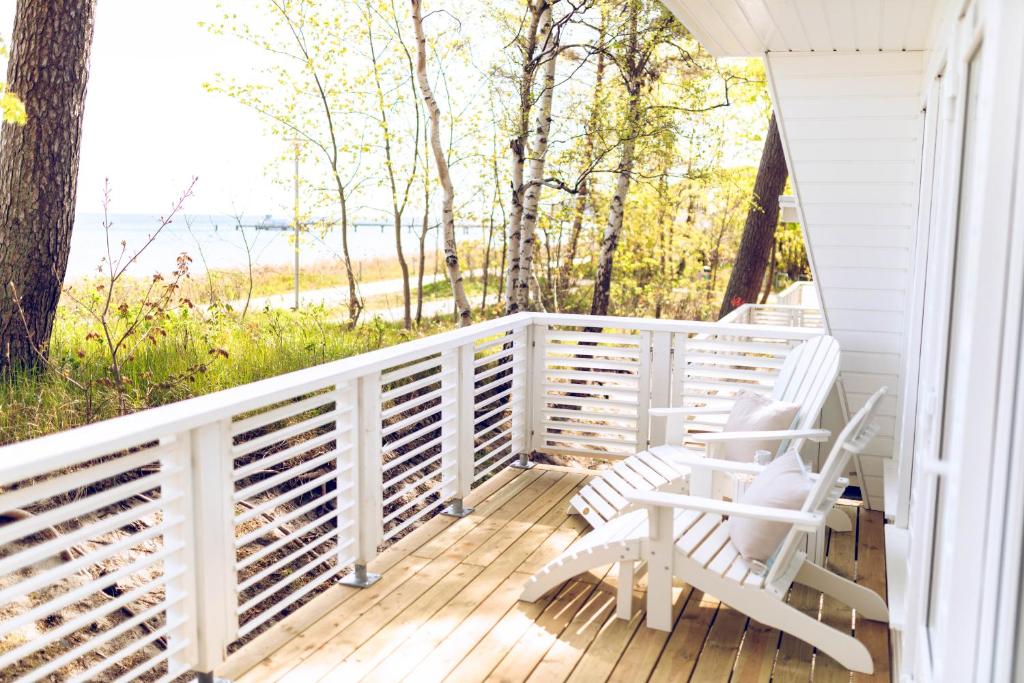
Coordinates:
446 609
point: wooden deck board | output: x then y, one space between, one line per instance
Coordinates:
447 609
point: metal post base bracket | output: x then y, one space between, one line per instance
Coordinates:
456 509
360 578
208 677
523 463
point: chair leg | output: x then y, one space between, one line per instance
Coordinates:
574 563
659 569
627 578
842 647
867 602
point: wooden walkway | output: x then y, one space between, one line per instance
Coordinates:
446 609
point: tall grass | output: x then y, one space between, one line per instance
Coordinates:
201 352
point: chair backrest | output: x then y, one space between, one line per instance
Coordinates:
806 378
855 436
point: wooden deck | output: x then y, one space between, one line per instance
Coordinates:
446 609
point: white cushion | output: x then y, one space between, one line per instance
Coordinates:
784 484
755 413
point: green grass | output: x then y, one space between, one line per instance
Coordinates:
198 354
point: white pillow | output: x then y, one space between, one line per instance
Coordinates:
784 484
755 413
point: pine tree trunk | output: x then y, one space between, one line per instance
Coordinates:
451 255
48 69
759 229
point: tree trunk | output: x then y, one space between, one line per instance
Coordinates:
518 147
612 231
451 255
49 69
355 306
423 236
769 277
617 209
399 198
580 210
538 157
759 229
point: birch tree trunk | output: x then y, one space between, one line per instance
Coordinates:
355 306
518 147
451 255
48 69
538 158
579 211
612 231
423 233
759 230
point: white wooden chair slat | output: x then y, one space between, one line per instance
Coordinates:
712 545
644 471
698 551
629 474
621 486
739 570
598 502
658 465
725 559
614 498
699 532
587 511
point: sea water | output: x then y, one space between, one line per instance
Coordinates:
221 241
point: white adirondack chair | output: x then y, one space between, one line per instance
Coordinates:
806 377
686 537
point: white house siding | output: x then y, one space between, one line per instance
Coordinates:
851 126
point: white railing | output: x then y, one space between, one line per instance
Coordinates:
795 306
801 293
151 544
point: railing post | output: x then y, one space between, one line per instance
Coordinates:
457 442
346 400
520 400
181 594
532 411
643 398
369 479
661 383
214 541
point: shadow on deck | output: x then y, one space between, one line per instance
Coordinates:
447 609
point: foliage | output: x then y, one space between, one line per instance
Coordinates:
12 109
197 353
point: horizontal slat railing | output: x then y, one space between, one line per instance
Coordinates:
596 379
159 542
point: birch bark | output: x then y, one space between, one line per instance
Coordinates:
451 255
538 158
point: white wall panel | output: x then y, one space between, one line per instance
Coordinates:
851 129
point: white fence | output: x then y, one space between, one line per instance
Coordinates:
148 545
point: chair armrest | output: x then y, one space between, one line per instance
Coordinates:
680 456
780 435
807 521
684 410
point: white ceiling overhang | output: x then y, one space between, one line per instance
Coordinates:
746 28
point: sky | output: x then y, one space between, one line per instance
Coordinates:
149 125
